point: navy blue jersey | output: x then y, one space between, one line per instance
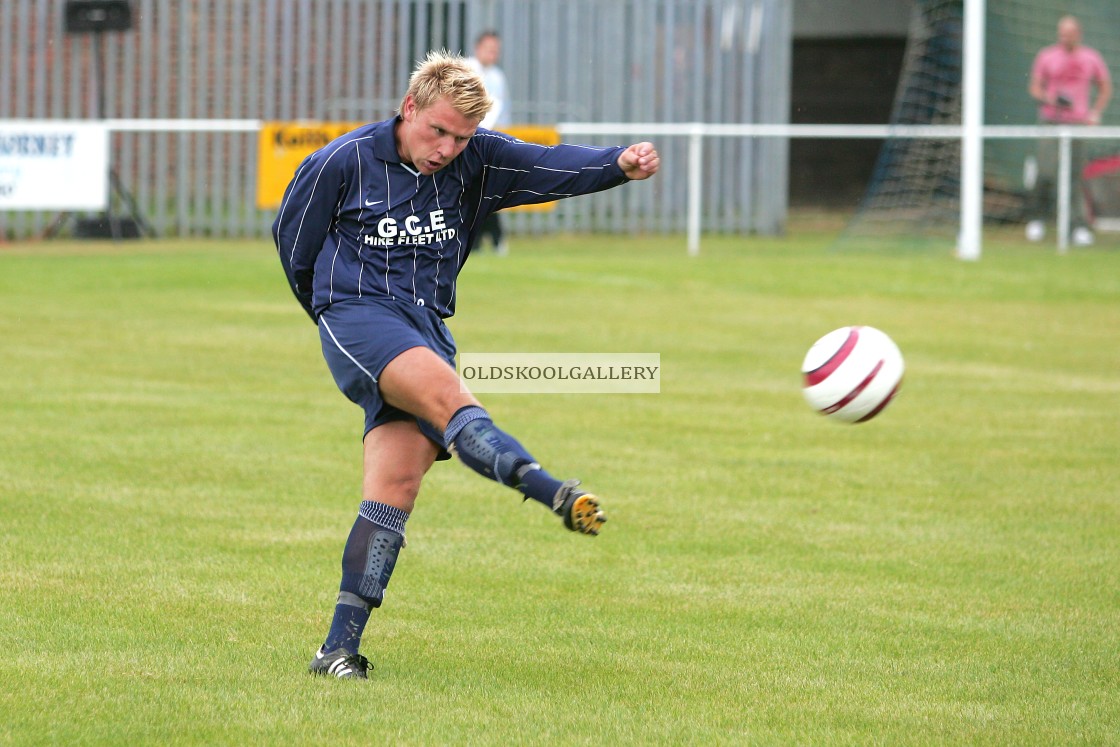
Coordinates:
356 221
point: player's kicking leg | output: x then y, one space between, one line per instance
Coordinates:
491 452
420 382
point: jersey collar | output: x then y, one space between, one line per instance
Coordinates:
384 143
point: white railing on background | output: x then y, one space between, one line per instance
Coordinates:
697 132
184 125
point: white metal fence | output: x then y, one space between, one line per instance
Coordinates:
699 140
718 61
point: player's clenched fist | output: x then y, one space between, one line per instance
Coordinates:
639 161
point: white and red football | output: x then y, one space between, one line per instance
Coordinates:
852 373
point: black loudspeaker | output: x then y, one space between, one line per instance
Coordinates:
96 16
107 227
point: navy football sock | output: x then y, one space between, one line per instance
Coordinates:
351 613
367 564
539 485
493 453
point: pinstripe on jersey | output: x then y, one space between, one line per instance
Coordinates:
355 220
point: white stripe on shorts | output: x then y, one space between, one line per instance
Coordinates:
338 345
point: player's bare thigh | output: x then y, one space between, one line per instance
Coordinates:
421 383
396 456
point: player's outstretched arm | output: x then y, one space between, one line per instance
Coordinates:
639 161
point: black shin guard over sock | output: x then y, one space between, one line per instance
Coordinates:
493 453
367 564
371 551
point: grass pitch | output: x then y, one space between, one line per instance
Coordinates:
178 474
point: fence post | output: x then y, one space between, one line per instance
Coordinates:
695 185
1064 191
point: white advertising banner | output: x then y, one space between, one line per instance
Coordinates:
53 165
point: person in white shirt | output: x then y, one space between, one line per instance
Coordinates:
487 52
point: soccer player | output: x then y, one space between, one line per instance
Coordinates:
372 233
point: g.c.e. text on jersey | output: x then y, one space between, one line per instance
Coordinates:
355 220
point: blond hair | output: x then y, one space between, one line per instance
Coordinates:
448 76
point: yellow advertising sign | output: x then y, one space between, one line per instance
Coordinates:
542 136
538 134
281 148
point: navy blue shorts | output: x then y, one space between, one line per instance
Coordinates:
360 336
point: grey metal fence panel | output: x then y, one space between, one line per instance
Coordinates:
349 60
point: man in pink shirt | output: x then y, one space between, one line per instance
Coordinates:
1062 80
